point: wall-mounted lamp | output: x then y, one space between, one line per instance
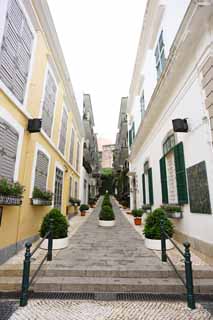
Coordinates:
34 125
180 125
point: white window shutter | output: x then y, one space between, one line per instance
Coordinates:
8 150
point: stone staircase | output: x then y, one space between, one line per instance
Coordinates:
55 278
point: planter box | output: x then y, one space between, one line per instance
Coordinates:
104 223
10 200
40 202
83 213
57 244
156 244
174 215
137 221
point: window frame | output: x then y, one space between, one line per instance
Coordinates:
64 108
39 147
14 123
3 87
159 54
60 167
48 69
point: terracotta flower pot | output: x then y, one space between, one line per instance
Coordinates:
137 221
83 213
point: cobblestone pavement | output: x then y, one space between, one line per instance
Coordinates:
110 310
7 308
118 248
74 223
173 254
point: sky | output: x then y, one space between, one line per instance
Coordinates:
99 39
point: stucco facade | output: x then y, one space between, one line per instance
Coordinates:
23 222
172 79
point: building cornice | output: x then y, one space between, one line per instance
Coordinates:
47 26
189 34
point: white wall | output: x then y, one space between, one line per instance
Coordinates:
171 20
190 105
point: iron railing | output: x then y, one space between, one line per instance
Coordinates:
188 281
26 281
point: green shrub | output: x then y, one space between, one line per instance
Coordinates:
106 214
106 203
152 225
60 224
84 207
92 201
171 208
137 213
11 188
125 203
44 195
74 201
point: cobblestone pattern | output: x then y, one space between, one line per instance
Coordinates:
7 308
101 310
117 248
173 254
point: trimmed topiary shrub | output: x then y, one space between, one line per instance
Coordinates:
84 207
152 225
60 224
106 214
137 213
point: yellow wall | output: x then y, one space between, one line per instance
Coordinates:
22 222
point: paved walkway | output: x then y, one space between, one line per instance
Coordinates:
108 310
117 248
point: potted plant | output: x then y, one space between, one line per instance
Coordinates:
83 208
106 217
41 198
10 193
152 229
75 202
137 213
92 202
124 204
59 229
173 211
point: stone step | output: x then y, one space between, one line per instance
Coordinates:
89 284
163 271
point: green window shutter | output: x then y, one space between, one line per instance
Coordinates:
180 174
163 175
144 188
130 137
133 130
151 196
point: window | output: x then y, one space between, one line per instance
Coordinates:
41 171
16 51
70 188
131 134
62 141
142 105
76 189
169 144
78 156
147 184
8 150
173 175
160 55
72 146
48 104
58 188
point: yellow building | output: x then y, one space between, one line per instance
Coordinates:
34 84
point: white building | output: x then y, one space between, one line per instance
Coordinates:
173 79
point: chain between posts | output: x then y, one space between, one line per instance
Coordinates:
188 282
26 282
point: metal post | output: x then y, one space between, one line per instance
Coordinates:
25 276
163 242
50 241
189 276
